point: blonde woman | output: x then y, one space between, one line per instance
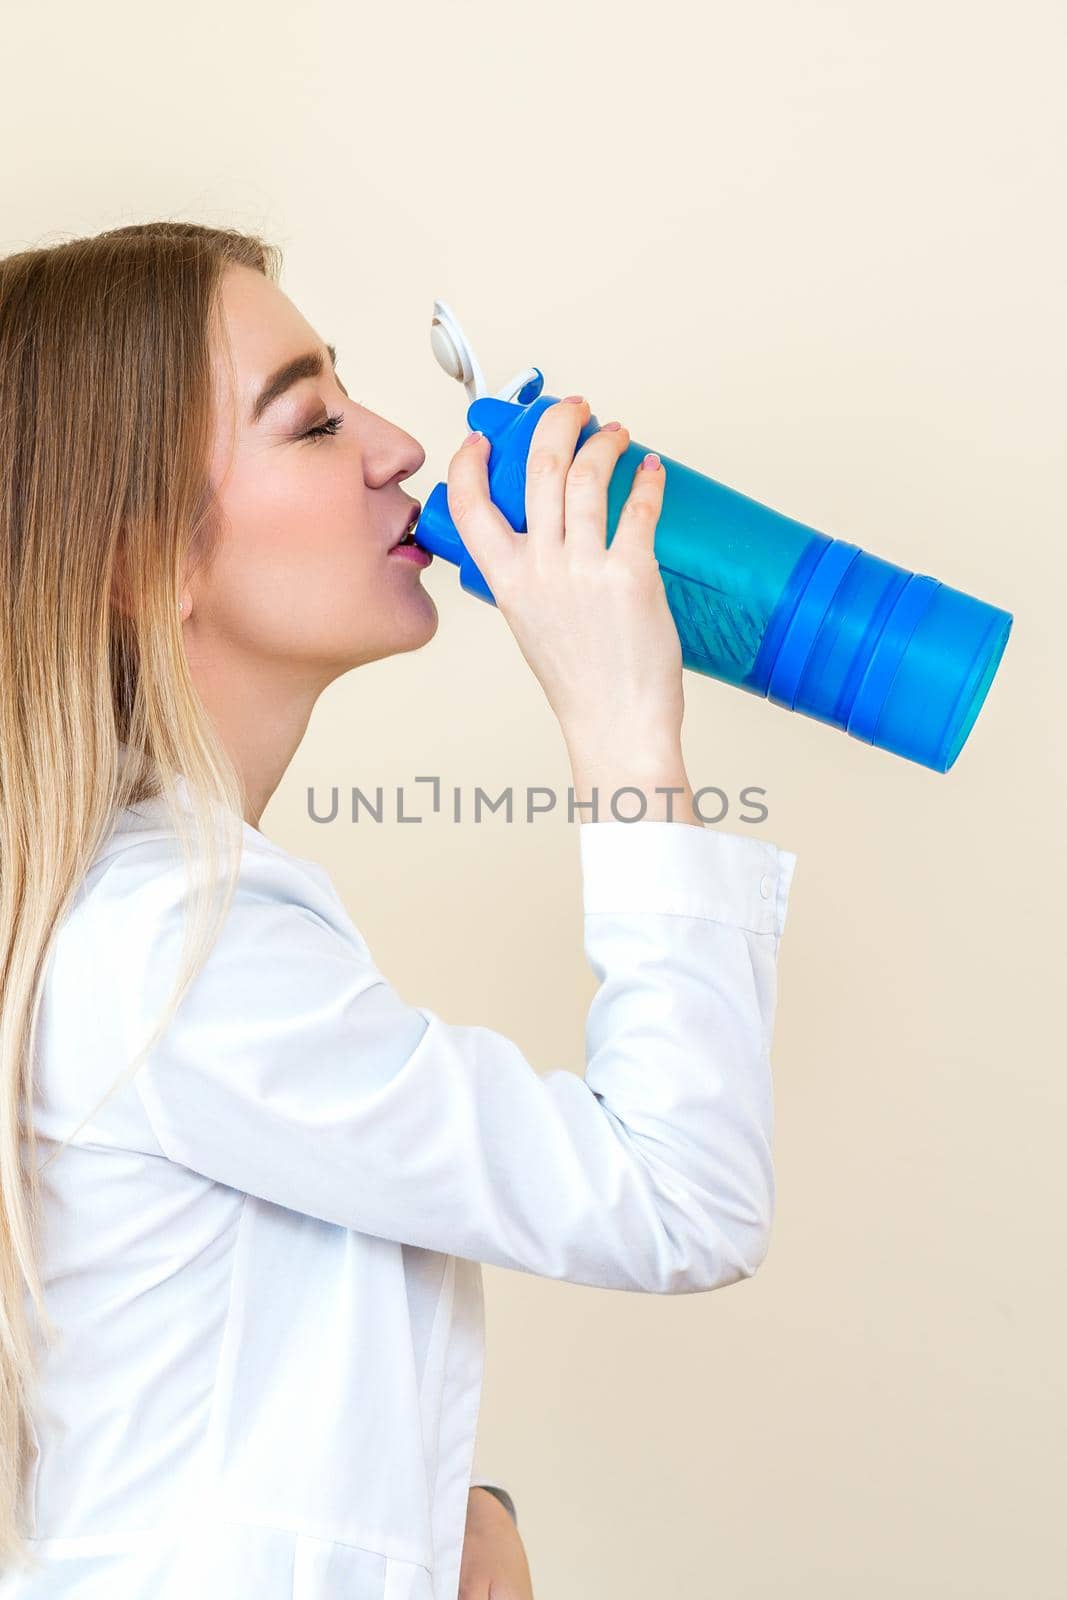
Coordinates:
246 1190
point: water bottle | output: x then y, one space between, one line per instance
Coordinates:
809 622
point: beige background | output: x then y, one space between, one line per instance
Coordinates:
815 250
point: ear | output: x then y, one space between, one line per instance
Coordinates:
120 594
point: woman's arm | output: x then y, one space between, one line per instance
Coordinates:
294 1071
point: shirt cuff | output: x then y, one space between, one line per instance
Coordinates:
686 870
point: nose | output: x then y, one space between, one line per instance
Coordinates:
389 452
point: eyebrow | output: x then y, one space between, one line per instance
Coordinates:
309 365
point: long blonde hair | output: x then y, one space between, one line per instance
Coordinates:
106 421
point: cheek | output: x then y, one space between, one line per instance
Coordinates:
298 542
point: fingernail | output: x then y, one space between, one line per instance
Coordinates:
651 462
611 427
575 397
476 433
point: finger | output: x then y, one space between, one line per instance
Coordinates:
482 526
551 452
586 490
635 532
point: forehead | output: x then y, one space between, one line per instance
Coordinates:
261 328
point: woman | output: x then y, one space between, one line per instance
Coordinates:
246 1189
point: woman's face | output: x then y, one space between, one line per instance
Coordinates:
302 579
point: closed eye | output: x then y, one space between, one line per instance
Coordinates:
326 429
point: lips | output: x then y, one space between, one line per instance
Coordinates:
409 525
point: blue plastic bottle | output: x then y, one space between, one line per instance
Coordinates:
812 623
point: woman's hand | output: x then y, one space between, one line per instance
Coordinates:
592 620
493 1565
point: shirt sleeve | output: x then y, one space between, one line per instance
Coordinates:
295 1072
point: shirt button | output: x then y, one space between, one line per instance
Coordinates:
765 887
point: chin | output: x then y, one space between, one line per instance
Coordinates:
408 634
420 629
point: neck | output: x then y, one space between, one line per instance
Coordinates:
260 715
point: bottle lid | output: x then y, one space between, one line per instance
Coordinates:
509 427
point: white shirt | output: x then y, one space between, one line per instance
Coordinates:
263 1251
